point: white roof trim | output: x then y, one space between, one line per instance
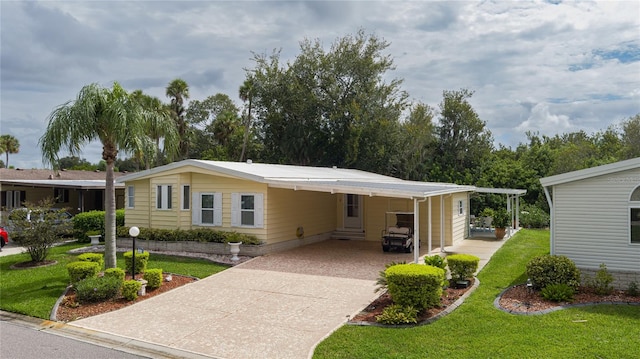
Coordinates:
320 179
501 190
79 184
591 172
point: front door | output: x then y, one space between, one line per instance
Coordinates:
352 212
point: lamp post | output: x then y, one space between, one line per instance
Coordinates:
133 232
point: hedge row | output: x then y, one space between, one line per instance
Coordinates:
194 235
93 221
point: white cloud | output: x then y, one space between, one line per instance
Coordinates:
533 65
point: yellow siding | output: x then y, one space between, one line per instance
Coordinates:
288 210
458 221
140 214
227 186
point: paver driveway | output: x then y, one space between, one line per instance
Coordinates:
275 306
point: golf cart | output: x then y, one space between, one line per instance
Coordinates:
398 232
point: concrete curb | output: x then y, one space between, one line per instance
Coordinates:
496 303
447 310
111 341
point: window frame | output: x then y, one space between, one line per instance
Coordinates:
61 195
237 210
196 209
634 205
185 198
164 197
131 195
461 208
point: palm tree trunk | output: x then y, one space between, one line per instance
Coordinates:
110 218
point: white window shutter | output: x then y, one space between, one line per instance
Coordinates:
258 210
235 209
195 208
217 209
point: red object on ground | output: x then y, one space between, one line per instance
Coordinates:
4 236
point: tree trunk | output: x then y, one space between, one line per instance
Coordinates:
109 218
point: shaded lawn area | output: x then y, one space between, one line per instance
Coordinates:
478 330
34 291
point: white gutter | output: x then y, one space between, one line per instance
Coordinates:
551 220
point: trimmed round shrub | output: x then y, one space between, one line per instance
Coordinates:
82 270
115 273
415 285
396 314
92 257
547 269
130 289
558 292
141 261
97 289
153 278
462 266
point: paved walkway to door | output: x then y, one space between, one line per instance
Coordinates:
275 306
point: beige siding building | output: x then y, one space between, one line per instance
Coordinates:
286 206
595 218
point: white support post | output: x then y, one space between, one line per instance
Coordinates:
416 231
429 234
442 223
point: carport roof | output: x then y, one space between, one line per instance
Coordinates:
76 184
320 179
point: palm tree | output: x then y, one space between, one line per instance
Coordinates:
178 92
8 144
155 127
117 121
246 93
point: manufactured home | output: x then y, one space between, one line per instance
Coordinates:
286 206
595 218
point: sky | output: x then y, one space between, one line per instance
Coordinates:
549 67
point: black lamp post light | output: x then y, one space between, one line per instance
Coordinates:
133 232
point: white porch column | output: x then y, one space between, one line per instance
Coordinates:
517 211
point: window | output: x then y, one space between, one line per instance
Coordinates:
460 207
186 197
207 209
163 196
634 217
247 210
61 195
12 199
130 197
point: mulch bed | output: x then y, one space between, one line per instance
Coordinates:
519 299
69 309
369 314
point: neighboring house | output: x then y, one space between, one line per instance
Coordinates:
78 191
287 206
595 218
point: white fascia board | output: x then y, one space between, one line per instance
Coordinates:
591 172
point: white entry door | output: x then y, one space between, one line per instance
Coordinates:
353 211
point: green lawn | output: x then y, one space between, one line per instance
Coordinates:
478 330
34 291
